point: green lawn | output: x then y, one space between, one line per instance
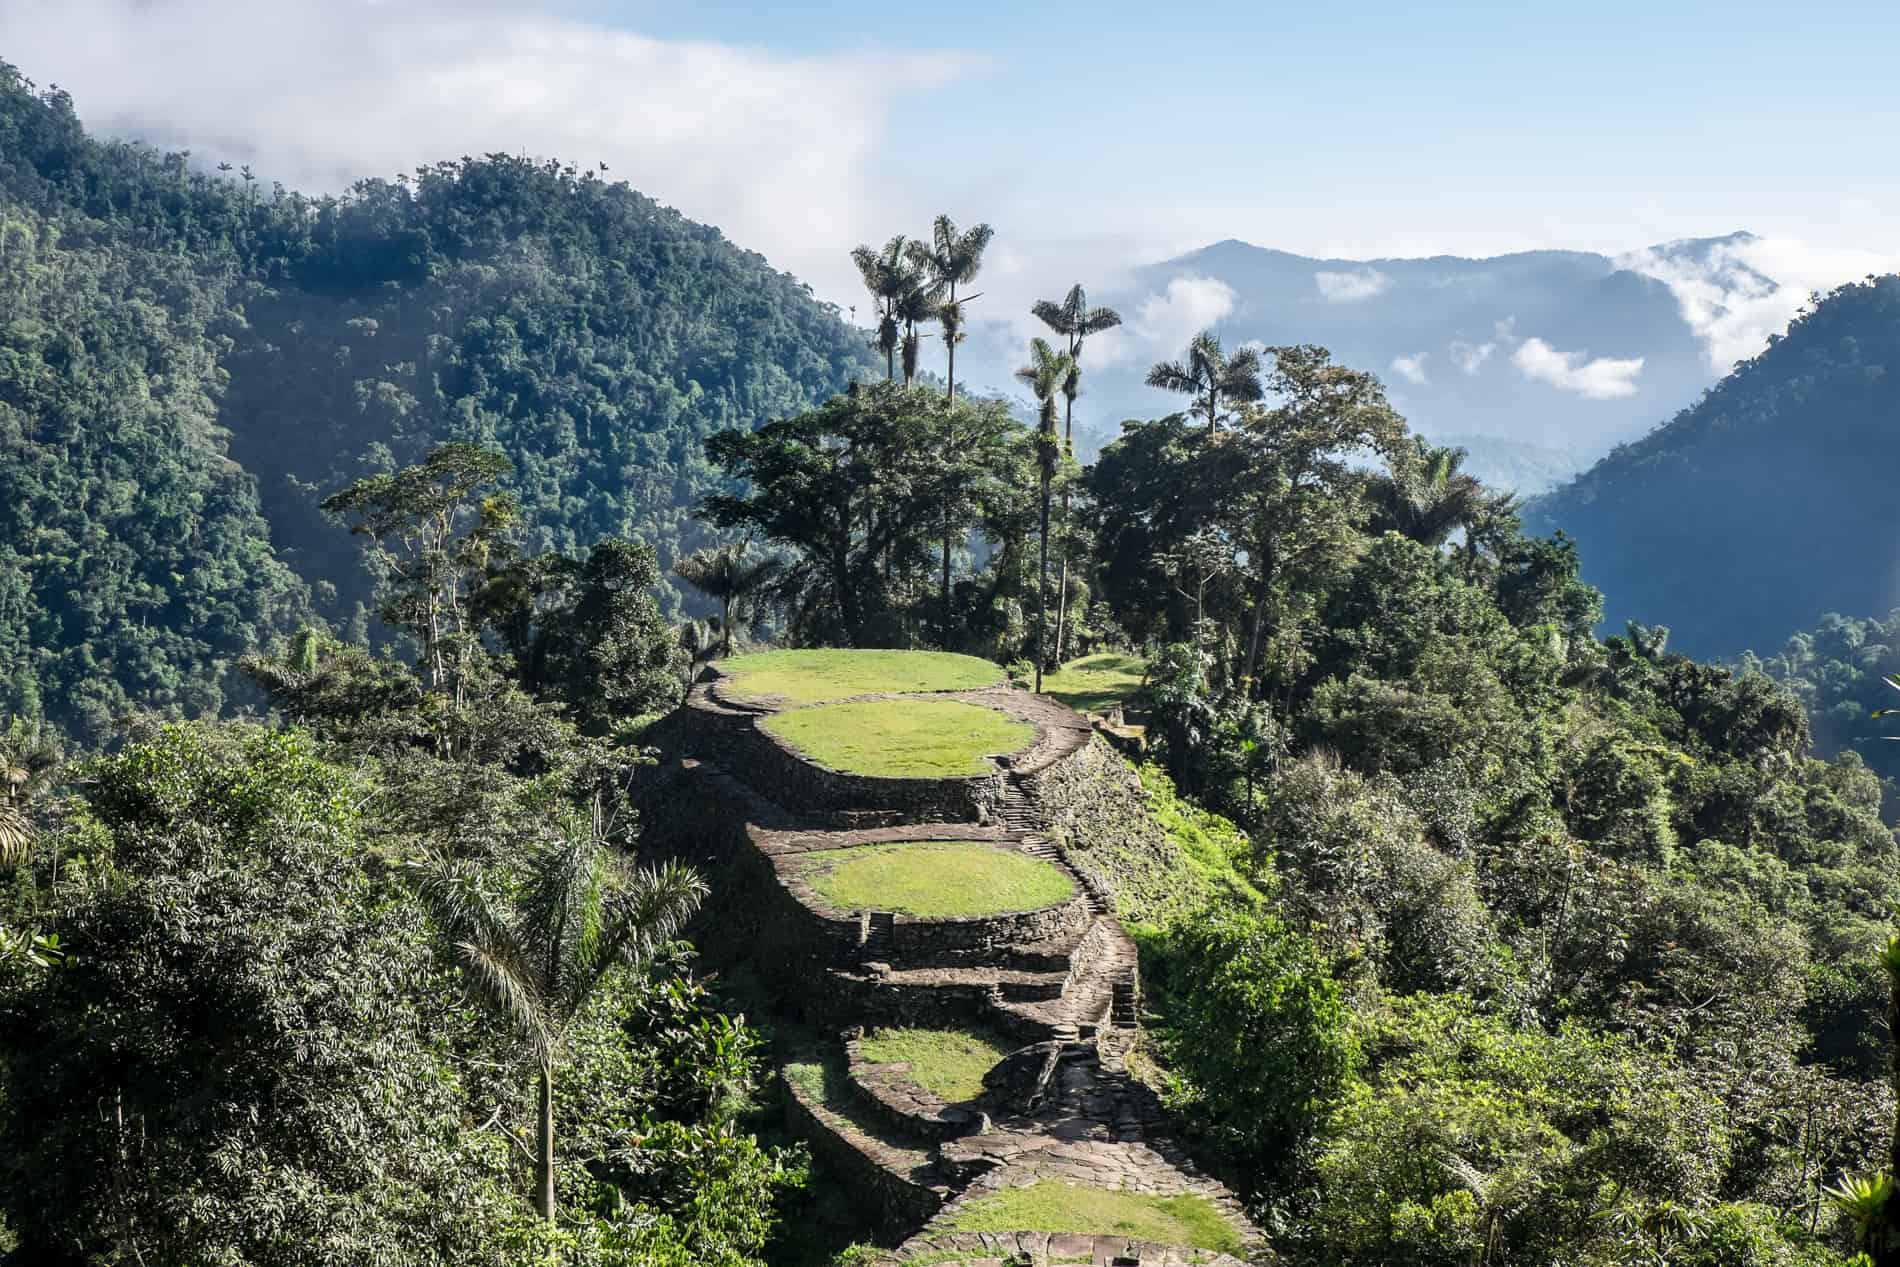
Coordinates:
948 1063
1065 1207
812 677
936 879
1097 683
902 738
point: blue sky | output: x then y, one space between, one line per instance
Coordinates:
1382 127
1093 136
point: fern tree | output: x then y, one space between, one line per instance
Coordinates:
1045 374
1075 321
1213 381
729 577
535 955
952 259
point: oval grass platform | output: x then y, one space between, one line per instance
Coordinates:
1067 1207
946 879
902 738
948 1063
820 675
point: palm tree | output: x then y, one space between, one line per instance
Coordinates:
1047 370
536 956
725 574
885 275
1075 321
28 762
1213 380
1492 525
1433 496
920 300
953 260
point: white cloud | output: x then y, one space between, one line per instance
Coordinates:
774 149
1470 357
1346 288
1600 379
1162 324
1411 368
1738 291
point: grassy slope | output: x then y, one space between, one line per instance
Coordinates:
815 676
902 738
937 879
949 1063
1065 1207
1097 683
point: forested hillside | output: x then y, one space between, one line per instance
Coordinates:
246 351
1765 504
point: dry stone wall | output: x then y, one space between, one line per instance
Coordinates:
1062 981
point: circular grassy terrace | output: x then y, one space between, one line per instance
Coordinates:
902 738
948 1063
936 879
819 675
1068 1207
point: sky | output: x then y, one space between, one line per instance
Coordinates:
1093 137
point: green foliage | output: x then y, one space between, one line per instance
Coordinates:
1254 1030
189 364
235 945
873 493
1470 1136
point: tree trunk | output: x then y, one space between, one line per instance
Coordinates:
544 1159
948 617
725 626
1062 589
1259 620
1042 582
949 338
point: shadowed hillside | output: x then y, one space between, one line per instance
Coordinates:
1765 504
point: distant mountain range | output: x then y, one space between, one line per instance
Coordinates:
1537 362
1767 503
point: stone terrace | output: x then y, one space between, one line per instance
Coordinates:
1061 981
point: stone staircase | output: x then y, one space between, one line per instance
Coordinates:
1068 1111
877 937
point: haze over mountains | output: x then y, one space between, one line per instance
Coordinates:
1538 362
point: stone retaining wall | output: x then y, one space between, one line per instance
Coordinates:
902 1204
775 771
925 939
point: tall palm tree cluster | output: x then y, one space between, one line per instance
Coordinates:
914 281
1051 371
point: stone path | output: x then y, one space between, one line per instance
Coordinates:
1063 982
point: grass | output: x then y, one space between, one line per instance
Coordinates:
817 676
823 1081
1096 683
1067 1207
948 1063
937 879
902 738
